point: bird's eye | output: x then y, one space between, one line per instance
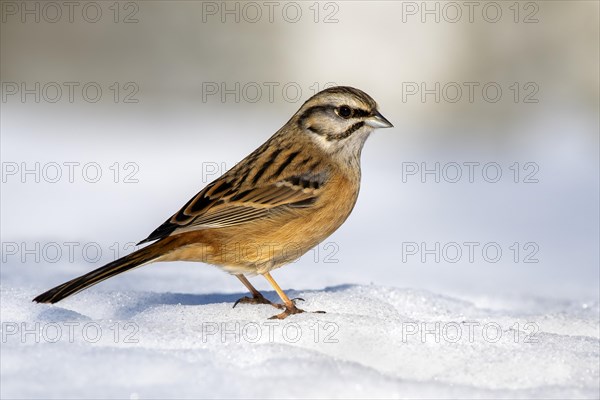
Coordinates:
344 112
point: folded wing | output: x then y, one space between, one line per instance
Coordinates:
226 202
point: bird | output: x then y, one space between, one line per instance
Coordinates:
269 209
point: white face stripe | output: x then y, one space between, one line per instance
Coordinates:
346 147
322 142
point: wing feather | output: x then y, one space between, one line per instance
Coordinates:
225 202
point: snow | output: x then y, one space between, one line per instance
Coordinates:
374 341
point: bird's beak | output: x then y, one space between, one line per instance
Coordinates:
378 121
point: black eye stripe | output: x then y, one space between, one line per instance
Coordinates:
348 131
357 112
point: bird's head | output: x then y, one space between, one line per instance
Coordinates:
339 120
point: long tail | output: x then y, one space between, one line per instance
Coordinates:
131 261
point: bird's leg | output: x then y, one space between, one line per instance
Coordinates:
257 297
290 305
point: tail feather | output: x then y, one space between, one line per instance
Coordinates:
131 261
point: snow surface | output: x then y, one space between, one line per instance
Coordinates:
374 341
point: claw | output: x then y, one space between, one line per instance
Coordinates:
288 311
256 300
293 310
241 300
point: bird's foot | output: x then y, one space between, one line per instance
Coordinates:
289 310
257 299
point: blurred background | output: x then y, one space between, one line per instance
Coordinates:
114 114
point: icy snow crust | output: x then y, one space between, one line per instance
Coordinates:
374 341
